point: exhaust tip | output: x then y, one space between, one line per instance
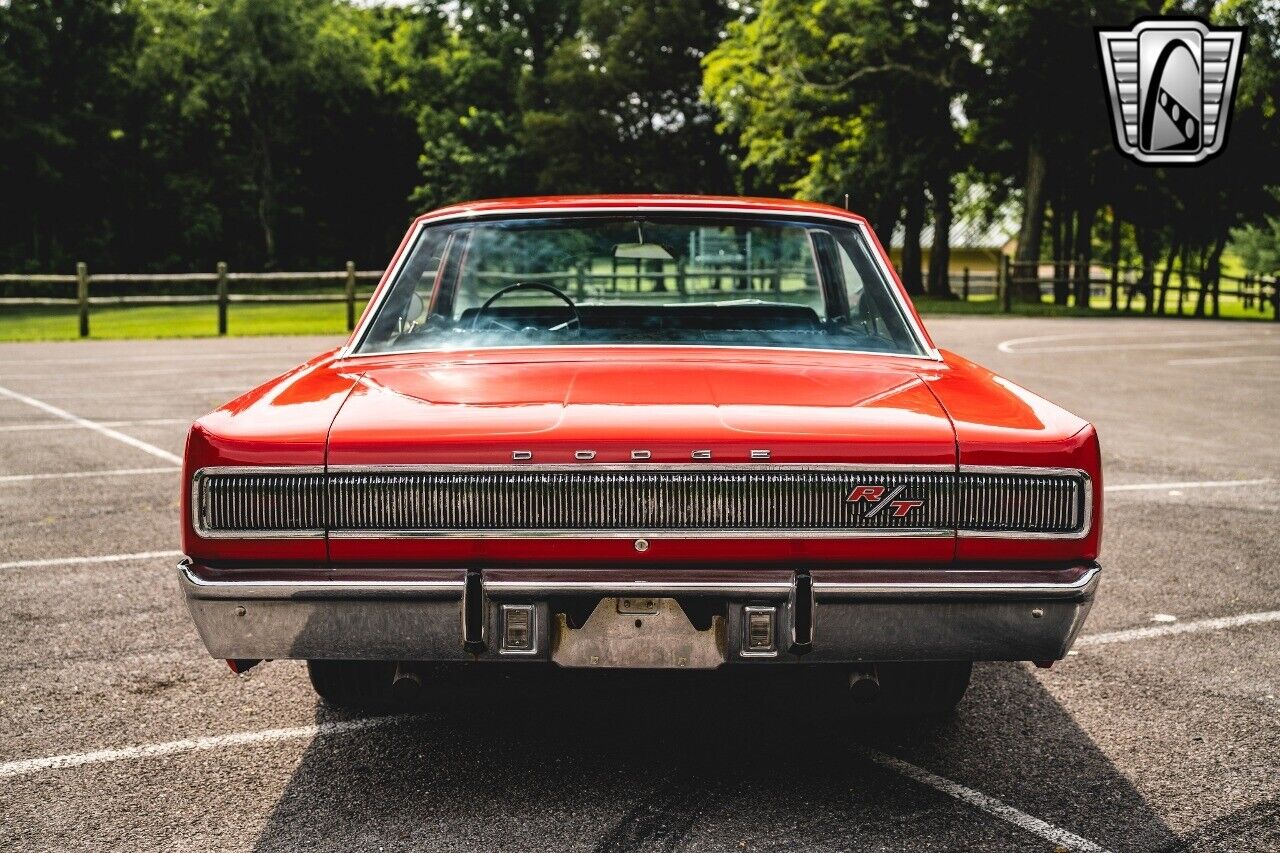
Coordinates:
406 686
864 684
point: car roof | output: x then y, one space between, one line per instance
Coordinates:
642 201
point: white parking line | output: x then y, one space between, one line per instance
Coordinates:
93 425
118 472
1155 345
1053 834
157 750
1237 359
1192 484
150 395
75 561
977 799
165 358
44 425
1010 345
1196 627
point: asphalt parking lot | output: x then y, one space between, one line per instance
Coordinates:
1160 732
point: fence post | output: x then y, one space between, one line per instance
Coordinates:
351 295
82 296
222 297
964 289
1275 298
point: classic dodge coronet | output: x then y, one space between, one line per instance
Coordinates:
649 432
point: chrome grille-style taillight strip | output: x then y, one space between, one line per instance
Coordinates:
608 501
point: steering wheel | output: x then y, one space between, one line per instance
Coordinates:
575 320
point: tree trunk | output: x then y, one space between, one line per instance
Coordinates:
1115 258
1027 260
1182 277
1056 233
885 217
1061 266
1165 276
1147 248
266 199
1211 276
939 281
912 223
1083 256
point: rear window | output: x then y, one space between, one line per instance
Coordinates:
647 279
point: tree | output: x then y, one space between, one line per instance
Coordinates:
1039 110
815 96
620 106
244 91
63 88
464 84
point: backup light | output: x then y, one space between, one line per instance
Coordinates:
759 624
519 626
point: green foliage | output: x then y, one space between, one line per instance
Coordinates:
619 107
844 96
171 134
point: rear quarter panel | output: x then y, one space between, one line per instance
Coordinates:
998 423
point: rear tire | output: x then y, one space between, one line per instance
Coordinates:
353 685
927 690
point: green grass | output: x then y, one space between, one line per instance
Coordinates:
40 323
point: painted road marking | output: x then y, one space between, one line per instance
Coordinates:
44 425
1007 346
166 358
149 395
977 799
1010 345
1226 359
1193 484
103 558
93 425
118 472
1053 834
1197 627
156 750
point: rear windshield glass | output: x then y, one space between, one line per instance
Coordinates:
650 279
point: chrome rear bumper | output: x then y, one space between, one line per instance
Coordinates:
824 616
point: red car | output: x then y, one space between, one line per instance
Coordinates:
648 432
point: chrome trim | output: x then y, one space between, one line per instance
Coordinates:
1030 470
584 455
760 454
700 454
198 521
1082 587
1086 507
687 207
521 455
637 455
656 589
1086 584
676 468
204 588
661 535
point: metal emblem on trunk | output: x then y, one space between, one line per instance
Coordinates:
1170 82
880 498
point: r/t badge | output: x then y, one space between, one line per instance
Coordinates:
1171 83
